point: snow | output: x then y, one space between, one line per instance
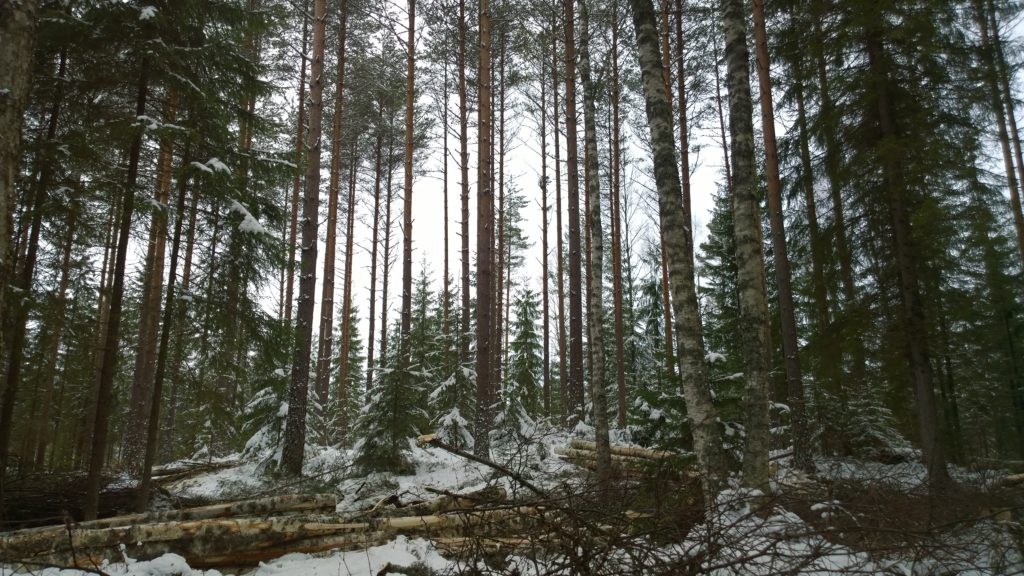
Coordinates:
202 167
147 12
217 165
714 358
401 551
249 223
746 533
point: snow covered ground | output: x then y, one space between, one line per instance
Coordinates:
744 536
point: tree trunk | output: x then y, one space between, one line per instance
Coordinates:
153 422
179 329
616 227
346 307
300 125
17 37
833 161
42 425
1002 79
545 276
595 273
563 368
325 351
410 85
298 389
386 264
829 366
378 167
149 314
21 39
690 344
105 387
754 323
783 276
905 254
464 337
573 190
484 420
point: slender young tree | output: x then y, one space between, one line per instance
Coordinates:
300 130
298 389
545 275
344 359
616 226
105 385
325 351
780 252
464 184
410 99
375 227
563 367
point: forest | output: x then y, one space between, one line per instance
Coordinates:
512 286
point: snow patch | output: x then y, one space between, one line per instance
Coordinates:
147 12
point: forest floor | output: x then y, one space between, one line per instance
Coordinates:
852 516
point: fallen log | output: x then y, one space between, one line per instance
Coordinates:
171 474
285 504
628 451
235 541
1016 466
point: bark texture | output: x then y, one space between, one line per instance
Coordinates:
298 388
485 388
754 322
690 345
595 273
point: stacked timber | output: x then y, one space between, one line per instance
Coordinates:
242 534
629 460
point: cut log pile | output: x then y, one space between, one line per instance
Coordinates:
245 533
629 460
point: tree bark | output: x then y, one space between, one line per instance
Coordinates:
485 396
754 323
563 368
545 275
105 387
298 389
410 85
575 271
464 337
378 167
595 308
17 38
325 352
149 314
153 420
690 344
21 38
346 307
300 125
780 252
616 227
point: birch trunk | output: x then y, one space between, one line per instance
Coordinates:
690 345
595 273
754 322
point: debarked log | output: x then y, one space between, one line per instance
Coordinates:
241 541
